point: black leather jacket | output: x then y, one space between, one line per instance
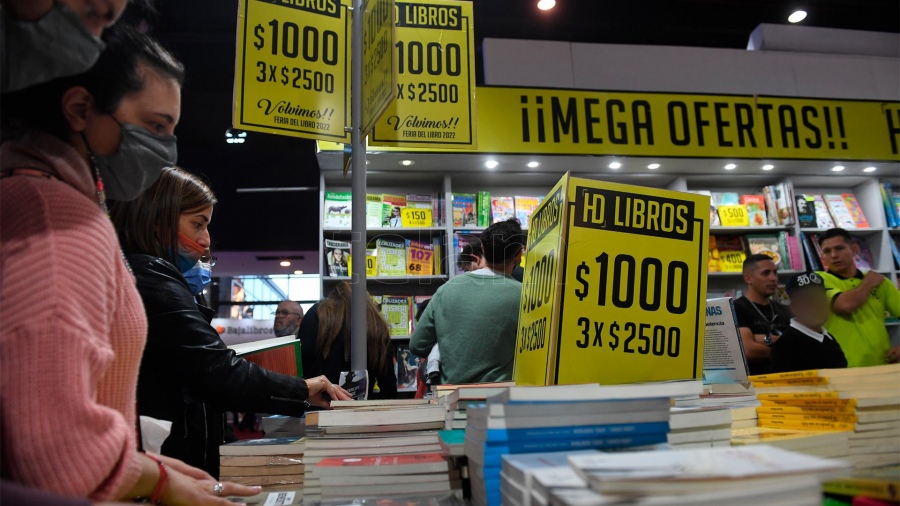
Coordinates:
189 376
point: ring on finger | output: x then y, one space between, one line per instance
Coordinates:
218 488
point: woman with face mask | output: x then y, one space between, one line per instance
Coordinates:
72 326
188 375
42 40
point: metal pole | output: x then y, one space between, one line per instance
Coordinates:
358 359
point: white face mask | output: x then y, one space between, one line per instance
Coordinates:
32 52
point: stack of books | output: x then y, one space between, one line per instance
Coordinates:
420 473
749 476
863 400
563 418
827 444
283 426
275 464
526 479
699 427
375 429
458 400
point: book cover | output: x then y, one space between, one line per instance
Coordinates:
337 209
839 211
890 213
502 209
406 366
726 198
856 213
391 206
713 210
895 197
823 215
267 446
391 257
337 258
713 264
419 258
374 211
864 258
356 383
422 201
483 208
756 209
732 252
771 210
464 210
525 207
806 211
784 203
813 261
795 253
396 313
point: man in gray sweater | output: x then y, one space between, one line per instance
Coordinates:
473 318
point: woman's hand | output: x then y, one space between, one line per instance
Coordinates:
187 491
321 385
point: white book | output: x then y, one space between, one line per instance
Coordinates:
593 391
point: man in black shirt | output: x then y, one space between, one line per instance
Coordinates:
760 319
806 344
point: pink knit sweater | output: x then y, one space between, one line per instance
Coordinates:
72 330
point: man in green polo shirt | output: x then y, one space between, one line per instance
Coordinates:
859 302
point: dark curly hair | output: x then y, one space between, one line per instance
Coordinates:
502 241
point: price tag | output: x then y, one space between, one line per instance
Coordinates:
734 216
732 261
419 259
371 266
292 68
415 218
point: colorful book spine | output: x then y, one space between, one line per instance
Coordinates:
795 253
484 208
859 219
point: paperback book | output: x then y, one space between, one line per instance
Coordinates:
396 312
391 257
464 210
356 383
337 209
406 367
337 255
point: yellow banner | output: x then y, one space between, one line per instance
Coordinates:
434 98
634 297
379 76
292 73
578 122
539 313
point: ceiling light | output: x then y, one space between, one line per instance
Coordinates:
299 273
285 263
837 168
491 164
533 165
797 16
653 166
768 167
870 169
406 163
615 165
546 5
730 166
235 136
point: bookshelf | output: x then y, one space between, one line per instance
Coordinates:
536 183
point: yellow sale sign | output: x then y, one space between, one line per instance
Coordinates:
434 99
292 73
629 304
378 77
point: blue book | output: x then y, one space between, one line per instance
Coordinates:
583 431
492 455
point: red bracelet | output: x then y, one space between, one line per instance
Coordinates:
162 485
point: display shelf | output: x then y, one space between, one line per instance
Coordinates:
788 272
469 229
388 229
384 279
749 230
852 231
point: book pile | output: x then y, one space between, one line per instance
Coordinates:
275 464
862 400
528 478
459 398
699 427
418 473
283 426
375 429
750 476
563 418
882 484
828 444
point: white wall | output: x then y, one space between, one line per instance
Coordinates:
617 67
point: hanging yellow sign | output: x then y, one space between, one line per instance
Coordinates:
628 290
434 98
292 74
379 78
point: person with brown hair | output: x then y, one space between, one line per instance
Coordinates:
188 375
325 341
